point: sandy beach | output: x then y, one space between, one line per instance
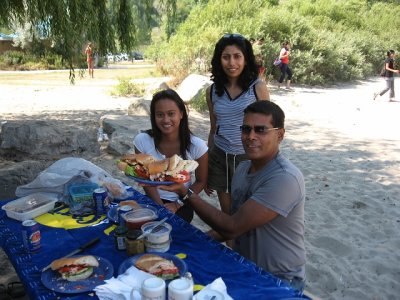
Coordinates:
346 144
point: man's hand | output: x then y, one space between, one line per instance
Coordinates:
208 191
172 207
178 188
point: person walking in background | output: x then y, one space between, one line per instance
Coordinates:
236 85
284 57
257 49
169 135
89 59
268 197
389 76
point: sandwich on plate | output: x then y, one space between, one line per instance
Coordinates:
145 166
158 266
75 268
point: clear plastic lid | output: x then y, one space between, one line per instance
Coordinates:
30 202
140 215
160 230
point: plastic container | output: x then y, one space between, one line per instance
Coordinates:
82 192
81 202
160 239
30 206
136 218
160 235
206 294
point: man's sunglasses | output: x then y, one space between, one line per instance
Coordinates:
259 129
233 35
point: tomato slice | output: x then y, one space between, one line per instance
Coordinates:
182 177
71 268
141 172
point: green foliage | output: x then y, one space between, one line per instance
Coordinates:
126 88
197 36
17 60
199 102
332 41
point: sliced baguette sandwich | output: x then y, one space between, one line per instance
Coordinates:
75 268
157 266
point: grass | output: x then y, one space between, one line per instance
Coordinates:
61 77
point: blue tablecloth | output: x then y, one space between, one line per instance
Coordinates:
206 259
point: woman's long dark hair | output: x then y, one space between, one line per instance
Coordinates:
184 131
250 71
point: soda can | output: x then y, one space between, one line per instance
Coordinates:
100 196
31 235
121 211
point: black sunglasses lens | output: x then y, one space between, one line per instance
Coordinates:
246 129
257 129
233 35
260 129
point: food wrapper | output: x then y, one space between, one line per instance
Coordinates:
115 187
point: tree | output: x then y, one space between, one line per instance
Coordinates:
69 24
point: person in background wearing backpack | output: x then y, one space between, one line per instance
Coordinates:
389 72
284 57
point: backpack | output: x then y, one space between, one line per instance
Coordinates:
277 62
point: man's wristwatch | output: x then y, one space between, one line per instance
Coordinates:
184 198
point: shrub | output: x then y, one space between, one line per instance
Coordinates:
199 102
332 41
27 61
125 88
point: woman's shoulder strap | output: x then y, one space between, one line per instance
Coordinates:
254 84
212 86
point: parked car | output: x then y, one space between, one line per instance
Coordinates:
122 57
110 57
136 55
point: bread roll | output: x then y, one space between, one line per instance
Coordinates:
173 162
158 166
131 203
87 260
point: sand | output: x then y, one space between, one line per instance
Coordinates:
348 148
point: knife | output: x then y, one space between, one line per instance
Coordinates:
80 249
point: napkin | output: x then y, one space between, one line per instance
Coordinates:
217 285
120 288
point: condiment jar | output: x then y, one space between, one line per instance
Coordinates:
133 245
120 237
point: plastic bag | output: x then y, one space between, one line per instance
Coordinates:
116 189
58 177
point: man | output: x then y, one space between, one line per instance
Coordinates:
268 194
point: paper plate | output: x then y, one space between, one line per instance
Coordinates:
150 182
112 213
179 263
53 280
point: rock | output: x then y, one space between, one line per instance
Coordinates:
47 140
192 85
13 174
122 130
155 87
111 123
121 142
139 107
28 147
